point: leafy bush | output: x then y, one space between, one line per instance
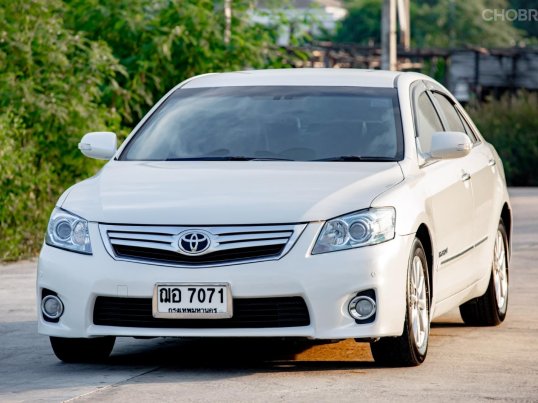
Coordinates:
511 125
50 80
163 43
72 66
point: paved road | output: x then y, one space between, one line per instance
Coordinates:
463 363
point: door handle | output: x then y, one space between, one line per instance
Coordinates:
492 162
465 176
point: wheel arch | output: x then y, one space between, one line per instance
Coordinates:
423 234
506 217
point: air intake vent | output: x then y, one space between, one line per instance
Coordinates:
248 313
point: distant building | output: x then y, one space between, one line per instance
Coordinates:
492 71
304 16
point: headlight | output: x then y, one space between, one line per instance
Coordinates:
366 227
68 231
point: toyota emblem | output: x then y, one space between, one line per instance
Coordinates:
194 242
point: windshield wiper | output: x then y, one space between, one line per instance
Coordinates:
271 159
355 158
228 158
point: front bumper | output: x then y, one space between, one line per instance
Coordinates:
327 282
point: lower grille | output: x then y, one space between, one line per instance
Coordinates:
247 313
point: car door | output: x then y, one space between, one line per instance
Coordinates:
449 199
474 165
485 188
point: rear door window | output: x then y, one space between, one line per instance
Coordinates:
452 118
468 129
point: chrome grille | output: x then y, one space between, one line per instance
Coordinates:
228 244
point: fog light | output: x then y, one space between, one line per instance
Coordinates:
362 307
52 307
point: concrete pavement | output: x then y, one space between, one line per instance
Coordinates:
463 363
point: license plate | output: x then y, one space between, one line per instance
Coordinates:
192 301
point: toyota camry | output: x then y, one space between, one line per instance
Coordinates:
311 203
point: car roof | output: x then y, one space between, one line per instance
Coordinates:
299 77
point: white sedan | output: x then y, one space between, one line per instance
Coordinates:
324 204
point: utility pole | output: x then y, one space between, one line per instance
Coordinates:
228 21
388 35
404 19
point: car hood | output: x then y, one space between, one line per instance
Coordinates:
231 192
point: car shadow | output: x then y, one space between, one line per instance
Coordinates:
447 324
253 355
29 365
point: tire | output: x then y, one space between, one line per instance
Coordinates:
490 309
410 349
82 350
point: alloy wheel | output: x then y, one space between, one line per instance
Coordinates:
418 304
500 272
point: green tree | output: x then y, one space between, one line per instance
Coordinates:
72 66
362 25
161 43
434 23
460 23
529 24
51 82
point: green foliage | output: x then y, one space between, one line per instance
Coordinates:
50 80
73 66
459 23
18 198
362 24
511 125
528 25
434 23
162 43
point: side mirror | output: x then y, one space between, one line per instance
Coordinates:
447 145
98 145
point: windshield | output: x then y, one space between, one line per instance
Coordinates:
272 123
